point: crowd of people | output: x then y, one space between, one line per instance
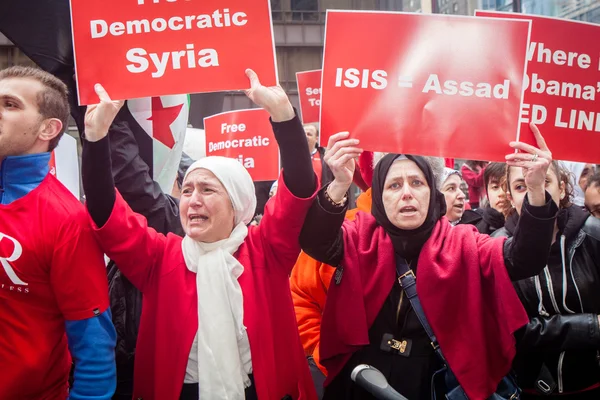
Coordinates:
202 299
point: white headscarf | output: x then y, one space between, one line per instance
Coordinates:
221 348
576 169
447 173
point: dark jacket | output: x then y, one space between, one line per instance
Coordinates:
565 299
486 220
326 174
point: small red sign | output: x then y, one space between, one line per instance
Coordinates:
247 136
309 92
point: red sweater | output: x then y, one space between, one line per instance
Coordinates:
154 264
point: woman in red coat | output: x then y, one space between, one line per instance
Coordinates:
218 320
463 278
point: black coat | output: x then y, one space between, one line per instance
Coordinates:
565 298
486 220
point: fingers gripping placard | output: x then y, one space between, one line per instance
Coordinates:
139 48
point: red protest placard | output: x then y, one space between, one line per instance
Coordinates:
562 85
309 92
247 136
140 48
434 85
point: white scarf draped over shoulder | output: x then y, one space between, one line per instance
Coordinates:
221 348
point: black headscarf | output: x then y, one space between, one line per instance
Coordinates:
407 243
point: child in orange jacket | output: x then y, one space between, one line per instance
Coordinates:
310 280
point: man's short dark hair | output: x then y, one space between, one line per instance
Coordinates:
494 172
594 180
52 101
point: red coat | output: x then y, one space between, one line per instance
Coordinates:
475 181
463 286
154 264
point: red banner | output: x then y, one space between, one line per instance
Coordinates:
142 48
562 84
247 136
309 92
435 85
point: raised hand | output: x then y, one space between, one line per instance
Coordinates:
340 157
535 163
98 117
273 99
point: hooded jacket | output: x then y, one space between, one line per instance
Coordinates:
567 287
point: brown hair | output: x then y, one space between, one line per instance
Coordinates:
563 177
52 101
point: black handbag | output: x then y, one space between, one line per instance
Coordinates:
444 384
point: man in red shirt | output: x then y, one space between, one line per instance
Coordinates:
53 287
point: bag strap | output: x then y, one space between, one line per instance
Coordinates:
408 282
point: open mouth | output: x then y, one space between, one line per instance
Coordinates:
460 207
407 210
198 218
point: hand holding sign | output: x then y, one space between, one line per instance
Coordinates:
535 163
98 117
273 99
340 157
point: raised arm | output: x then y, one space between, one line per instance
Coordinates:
526 253
133 180
296 163
123 235
284 214
321 236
